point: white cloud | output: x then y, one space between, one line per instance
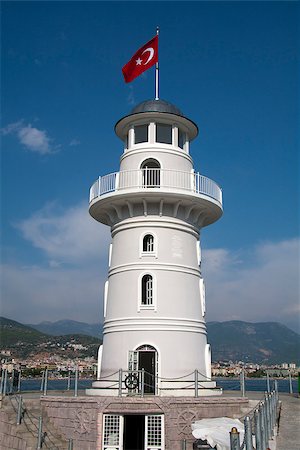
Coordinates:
74 142
34 294
70 285
11 128
265 289
65 235
258 284
32 138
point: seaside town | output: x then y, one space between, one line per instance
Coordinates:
87 367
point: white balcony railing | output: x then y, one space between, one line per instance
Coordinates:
166 180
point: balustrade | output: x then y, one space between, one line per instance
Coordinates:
163 179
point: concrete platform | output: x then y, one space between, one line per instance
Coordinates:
80 418
289 424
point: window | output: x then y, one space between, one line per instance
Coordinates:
202 296
109 254
105 298
164 133
111 431
148 243
140 134
147 290
154 432
181 139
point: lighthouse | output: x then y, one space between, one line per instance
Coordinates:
154 332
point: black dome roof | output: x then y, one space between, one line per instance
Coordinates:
156 106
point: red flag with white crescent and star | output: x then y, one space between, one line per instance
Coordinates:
142 60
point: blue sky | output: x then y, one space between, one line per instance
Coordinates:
232 67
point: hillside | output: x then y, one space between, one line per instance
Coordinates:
62 327
13 332
265 342
24 341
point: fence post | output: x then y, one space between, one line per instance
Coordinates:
40 434
76 382
196 383
19 380
143 382
42 381
265 415
183 444
290 382
234 439
20 408
276 389
120 382
70 444
69 380
262 425
45 382
268 382
257 425
242 382
2 381
5 382
273 410
11 387
268 399
248 433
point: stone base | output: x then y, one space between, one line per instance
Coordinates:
81 418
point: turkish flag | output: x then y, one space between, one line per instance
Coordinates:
142 60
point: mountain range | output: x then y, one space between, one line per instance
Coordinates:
263 343
23 341
62 327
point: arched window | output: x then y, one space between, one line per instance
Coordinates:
151 173
148 243
147 290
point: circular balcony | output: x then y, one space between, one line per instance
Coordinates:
187 188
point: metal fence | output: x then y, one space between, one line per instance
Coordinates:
141 382
260 426
74 381
12 382
41 434
156 178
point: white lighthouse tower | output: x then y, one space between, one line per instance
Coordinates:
154 336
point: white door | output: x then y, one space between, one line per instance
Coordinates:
154 432
113 426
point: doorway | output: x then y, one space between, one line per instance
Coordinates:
151 173
134 432
147 360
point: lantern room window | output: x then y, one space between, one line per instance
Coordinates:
164 133
181 138
140 134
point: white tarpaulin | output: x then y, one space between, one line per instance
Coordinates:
216 431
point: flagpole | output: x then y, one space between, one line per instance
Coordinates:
157 74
